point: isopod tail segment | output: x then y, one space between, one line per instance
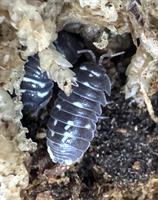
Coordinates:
72 122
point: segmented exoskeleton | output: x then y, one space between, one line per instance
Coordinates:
73 118
36 88
68 44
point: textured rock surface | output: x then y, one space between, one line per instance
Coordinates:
14 156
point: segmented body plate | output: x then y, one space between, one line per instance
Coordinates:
68 44
36 88
73 118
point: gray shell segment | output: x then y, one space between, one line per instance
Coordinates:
93 95
81 102
71 125
73 120
68 44
63 153
95 73
77 143
71 130
68 107
36 88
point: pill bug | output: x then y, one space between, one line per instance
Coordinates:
36 88
68 44
73 118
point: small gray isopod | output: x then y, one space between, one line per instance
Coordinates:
73 118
